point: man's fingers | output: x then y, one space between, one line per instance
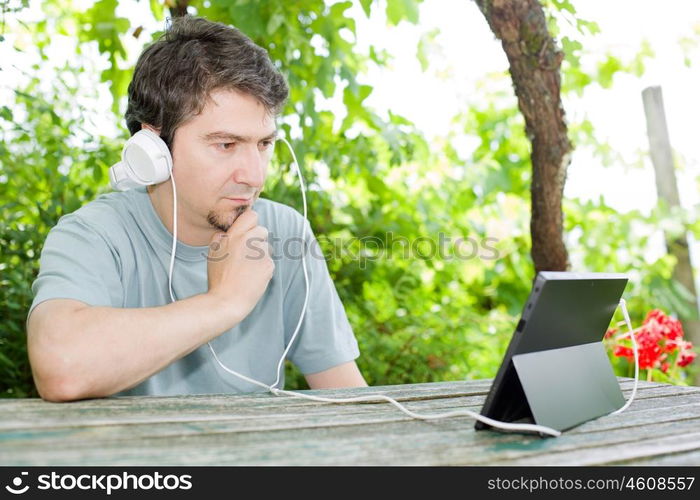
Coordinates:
245 222
218 246
259 232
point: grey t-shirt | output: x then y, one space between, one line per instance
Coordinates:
115 251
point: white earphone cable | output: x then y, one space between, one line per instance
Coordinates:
630 332
304 269
303 263
495 423
378 397
172 251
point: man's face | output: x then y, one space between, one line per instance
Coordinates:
220 159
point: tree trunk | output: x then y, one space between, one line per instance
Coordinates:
178 8
534 67
667 190
666 184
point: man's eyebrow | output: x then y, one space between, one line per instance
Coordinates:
231 137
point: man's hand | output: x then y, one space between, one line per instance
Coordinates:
239 265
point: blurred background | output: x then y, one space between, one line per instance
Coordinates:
407 128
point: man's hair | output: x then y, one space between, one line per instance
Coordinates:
175 75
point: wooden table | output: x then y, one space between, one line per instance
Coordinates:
661 427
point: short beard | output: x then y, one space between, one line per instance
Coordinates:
223 225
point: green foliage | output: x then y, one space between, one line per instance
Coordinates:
689 45
50 165
398 10
443 306
99 23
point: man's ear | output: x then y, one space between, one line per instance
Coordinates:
149 127
146 126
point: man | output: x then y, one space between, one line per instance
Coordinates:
102 321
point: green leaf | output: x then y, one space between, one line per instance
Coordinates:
564 5
398 10
276 20
366 6
636 66
248 18
572 49
337 10
157 9
6 113
607 70
590 26
426 41
97 174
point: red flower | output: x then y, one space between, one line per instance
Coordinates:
649 349
686 355
659 336
622 351
671 346
686 358
664 326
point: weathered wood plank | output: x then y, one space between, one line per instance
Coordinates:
271 415
198 408
653 446
264 418
215 403
391 428
67 437
415 391
437 443
262 429
405 392
686 458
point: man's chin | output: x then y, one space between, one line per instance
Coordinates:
224 222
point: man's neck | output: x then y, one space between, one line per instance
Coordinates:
161 196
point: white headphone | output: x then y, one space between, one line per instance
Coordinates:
146 160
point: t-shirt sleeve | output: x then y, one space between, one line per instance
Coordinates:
325 338
78 263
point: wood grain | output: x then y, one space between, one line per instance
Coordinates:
661 426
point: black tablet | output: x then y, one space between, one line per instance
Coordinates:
555 371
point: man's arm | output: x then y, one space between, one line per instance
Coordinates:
345 375
79 351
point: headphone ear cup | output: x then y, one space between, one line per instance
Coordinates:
147 158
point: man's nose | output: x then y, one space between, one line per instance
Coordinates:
250 168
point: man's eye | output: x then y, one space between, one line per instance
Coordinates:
266 144
225 146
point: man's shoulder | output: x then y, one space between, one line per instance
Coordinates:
104 214
275 207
